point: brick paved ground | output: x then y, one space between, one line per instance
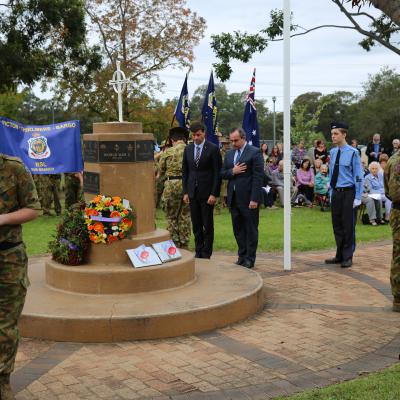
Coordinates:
321 324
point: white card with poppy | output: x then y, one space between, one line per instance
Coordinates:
167 251
143 256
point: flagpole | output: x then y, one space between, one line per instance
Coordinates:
286 138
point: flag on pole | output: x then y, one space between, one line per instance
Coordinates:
250 123
209 112
182 110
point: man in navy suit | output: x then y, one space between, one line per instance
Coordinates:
201 179
244 169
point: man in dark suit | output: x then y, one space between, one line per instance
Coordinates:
201 178
374 149
244 169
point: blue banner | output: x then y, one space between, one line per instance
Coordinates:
44 149
209 112
250 122
182 111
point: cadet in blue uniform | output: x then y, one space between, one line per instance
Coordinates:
346 180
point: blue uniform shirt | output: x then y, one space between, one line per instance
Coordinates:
350 170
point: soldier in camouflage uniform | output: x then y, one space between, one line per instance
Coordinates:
392 191
170 169
221 201
43 186
18 204
73 189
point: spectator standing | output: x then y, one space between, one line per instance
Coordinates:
298 153
305 181
320 152
354 143
346 180
264 152
395 146
374 148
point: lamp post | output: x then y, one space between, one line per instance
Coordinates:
274 121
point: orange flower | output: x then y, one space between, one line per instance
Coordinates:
91 211
126 212
98 227
107 203
112 238
116 200
92 237
115 214
121 235
97 199
90 227
127 221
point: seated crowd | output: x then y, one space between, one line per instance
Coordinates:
310 178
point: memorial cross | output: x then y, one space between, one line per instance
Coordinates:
119 83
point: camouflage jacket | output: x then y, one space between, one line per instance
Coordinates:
17 191
170 163
392 178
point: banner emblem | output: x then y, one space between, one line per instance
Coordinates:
38 148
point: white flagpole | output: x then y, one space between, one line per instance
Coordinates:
287 265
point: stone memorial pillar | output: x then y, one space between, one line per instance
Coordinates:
119 161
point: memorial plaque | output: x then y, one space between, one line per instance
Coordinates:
91 150
91 182
144 150
117 152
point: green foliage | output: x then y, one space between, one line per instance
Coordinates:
71 243
39 38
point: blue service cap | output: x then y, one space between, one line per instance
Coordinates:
339 125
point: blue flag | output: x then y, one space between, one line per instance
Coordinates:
209 112
250 123
182 110
44 149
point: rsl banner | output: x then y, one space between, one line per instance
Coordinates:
44 149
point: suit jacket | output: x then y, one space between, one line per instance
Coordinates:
247 185
370 149
206 176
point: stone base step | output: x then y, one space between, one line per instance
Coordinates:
220 295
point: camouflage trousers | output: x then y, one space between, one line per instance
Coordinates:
176 212
73 191
395 267
13 285
43 187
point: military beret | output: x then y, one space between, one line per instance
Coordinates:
339 125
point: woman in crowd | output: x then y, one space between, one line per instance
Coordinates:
305 182
298 153
374 185
383 159
275 153
317 166
320 152
264 152
322 186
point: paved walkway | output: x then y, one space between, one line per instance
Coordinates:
320 325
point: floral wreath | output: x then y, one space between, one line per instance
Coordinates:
108 219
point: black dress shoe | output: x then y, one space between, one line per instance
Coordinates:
333 260
347 263
240 261
248 264
198 256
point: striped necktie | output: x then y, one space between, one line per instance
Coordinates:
237 158
197 159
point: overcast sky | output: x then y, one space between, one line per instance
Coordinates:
325 60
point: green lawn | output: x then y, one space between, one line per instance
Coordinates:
311 229
379 386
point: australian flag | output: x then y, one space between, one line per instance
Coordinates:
250 123
182 110
209 112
